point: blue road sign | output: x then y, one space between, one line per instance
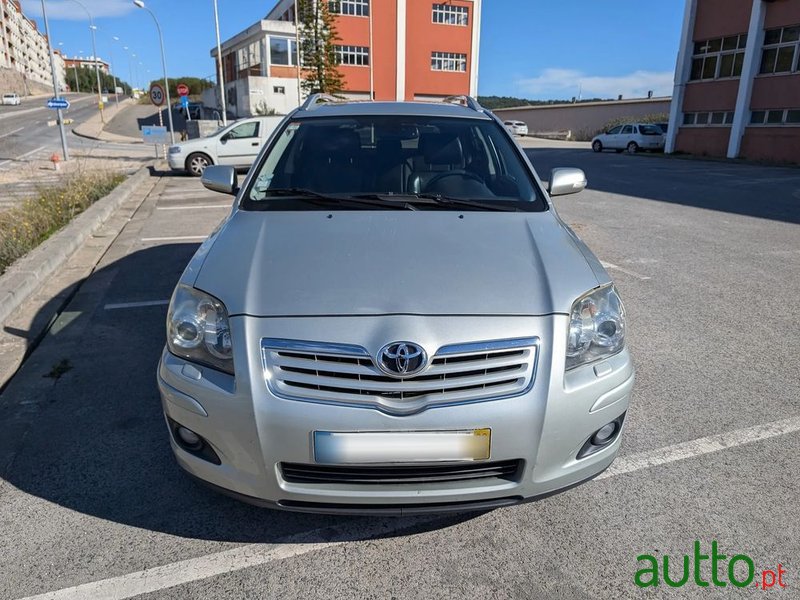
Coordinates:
56 103
152 134
184 101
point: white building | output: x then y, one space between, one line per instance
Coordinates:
259 67
23 47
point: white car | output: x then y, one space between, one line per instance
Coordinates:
516 127
11 99
631 137
236 145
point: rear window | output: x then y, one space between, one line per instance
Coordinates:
650 130
460 158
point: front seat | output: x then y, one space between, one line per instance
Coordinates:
441 153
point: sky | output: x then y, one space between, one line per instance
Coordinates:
538 49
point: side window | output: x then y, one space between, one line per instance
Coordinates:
627 129
615 130
245 130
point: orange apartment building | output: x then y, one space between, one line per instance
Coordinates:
388 50
737 80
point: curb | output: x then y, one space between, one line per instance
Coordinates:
94 123
26 275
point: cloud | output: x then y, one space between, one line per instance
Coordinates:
70 11
565 83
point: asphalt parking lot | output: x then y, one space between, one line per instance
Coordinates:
706 256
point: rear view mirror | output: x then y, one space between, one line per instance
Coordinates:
218 178
565 181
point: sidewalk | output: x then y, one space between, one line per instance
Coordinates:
93 127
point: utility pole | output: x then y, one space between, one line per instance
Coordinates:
220 75
297 47
60 116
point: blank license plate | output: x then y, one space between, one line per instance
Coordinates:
401 446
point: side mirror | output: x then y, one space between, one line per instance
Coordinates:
565 181
225 138
218 178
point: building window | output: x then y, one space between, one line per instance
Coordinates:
448 14
248 60
717 58
356 8
780 50
353 55
278 89
282 51
775 117
448 61
718 118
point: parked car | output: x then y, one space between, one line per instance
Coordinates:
394 319
236 145
11 99
195 110
631 137
664 127
516 127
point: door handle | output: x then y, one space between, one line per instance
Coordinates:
254 144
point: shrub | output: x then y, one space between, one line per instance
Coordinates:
27 225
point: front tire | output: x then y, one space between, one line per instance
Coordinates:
197 163
632 148
597 146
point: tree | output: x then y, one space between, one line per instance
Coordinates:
317 46
88 81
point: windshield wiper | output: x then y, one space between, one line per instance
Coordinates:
339 199
439 200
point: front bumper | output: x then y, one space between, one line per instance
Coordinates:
253 431
176 161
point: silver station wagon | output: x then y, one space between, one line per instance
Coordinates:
394 320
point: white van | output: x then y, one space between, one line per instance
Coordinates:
236 145
11 99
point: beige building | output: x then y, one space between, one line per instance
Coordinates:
23 48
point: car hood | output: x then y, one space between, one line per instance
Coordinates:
395 262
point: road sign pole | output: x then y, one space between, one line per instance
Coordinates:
161 124
60 115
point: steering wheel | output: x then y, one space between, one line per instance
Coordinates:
459 173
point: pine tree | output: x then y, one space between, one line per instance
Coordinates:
317 46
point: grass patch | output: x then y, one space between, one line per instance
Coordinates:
27 225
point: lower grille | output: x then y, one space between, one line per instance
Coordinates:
300 473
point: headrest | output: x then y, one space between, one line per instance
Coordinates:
441 149
331 141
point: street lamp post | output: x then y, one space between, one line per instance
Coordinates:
220 76
140 4
96 61
114 74
60 116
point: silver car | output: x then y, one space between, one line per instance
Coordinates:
392 320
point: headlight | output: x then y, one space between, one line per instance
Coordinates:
596 327
198 329
174 149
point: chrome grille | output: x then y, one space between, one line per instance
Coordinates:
347 374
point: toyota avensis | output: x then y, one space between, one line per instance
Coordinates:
393 319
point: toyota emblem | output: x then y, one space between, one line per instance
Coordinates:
402 359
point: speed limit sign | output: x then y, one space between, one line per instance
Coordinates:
156 94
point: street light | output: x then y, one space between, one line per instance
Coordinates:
140 4
59 114
96 62
114 74
220 76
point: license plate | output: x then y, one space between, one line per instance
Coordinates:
401 446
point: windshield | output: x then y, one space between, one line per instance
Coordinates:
394 158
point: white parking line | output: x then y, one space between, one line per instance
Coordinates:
608 265
195 206
135 304
252 555
176 238
701 446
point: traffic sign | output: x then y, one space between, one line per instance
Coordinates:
184 101
183 89
152 134
56 103
157 94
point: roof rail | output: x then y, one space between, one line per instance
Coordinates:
464 100
314 100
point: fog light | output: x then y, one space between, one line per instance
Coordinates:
604 434
190 438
